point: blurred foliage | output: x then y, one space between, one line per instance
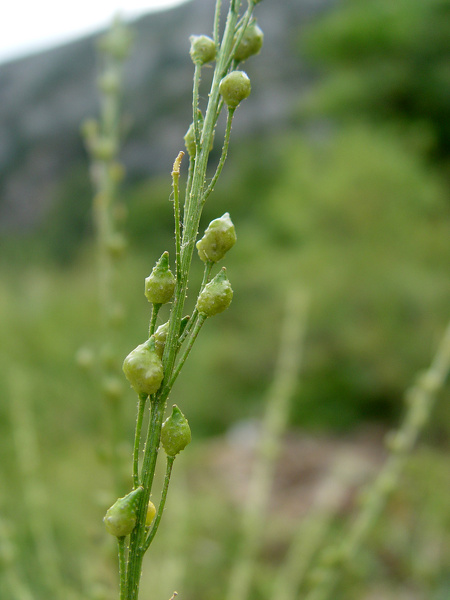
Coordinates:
353 212
385 60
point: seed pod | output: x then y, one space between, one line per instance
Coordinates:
120 519
160 336
151 512
203 49
117 41
104 148
175 432
109 82
234 88
218 238
251 43
216 296
189 138
143 368
160 284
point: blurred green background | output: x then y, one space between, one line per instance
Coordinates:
351 204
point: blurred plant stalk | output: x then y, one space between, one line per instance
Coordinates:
420 400
102 139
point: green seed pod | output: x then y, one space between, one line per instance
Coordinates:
117 41
120 519
143 368
189 138
216 296
116 245
112 388
203 49
234 88
151 512
218 238
90 130
175 432
109 82
250 44
160 338
160 284
104 148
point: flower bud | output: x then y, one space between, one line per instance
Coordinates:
151 512
143 368
235 87
120 519
175 432
203 49
218 238
160 336
250 44
160 284
216 296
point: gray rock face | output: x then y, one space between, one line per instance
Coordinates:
45 97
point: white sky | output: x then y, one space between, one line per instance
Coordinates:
30 25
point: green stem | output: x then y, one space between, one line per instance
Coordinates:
198 325
206 273
273 427
137 439
176 206
223 156
162 503
136 552
217 22
122 567
195 116
153 319
421 398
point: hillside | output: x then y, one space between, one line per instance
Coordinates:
45 97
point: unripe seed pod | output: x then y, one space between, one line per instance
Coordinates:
90 130
218 238
116 245
85 358
216 296
104 148
175 432
189 141
160 336
160 284
151 512
234 88
109 82
251 43
120 519
143 368
117 41
112 388
203 49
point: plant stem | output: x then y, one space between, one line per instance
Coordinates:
206 273
162 503
273 427
223 156
136 552
137 439
153 319
421 398
122 567
198 325
176 206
